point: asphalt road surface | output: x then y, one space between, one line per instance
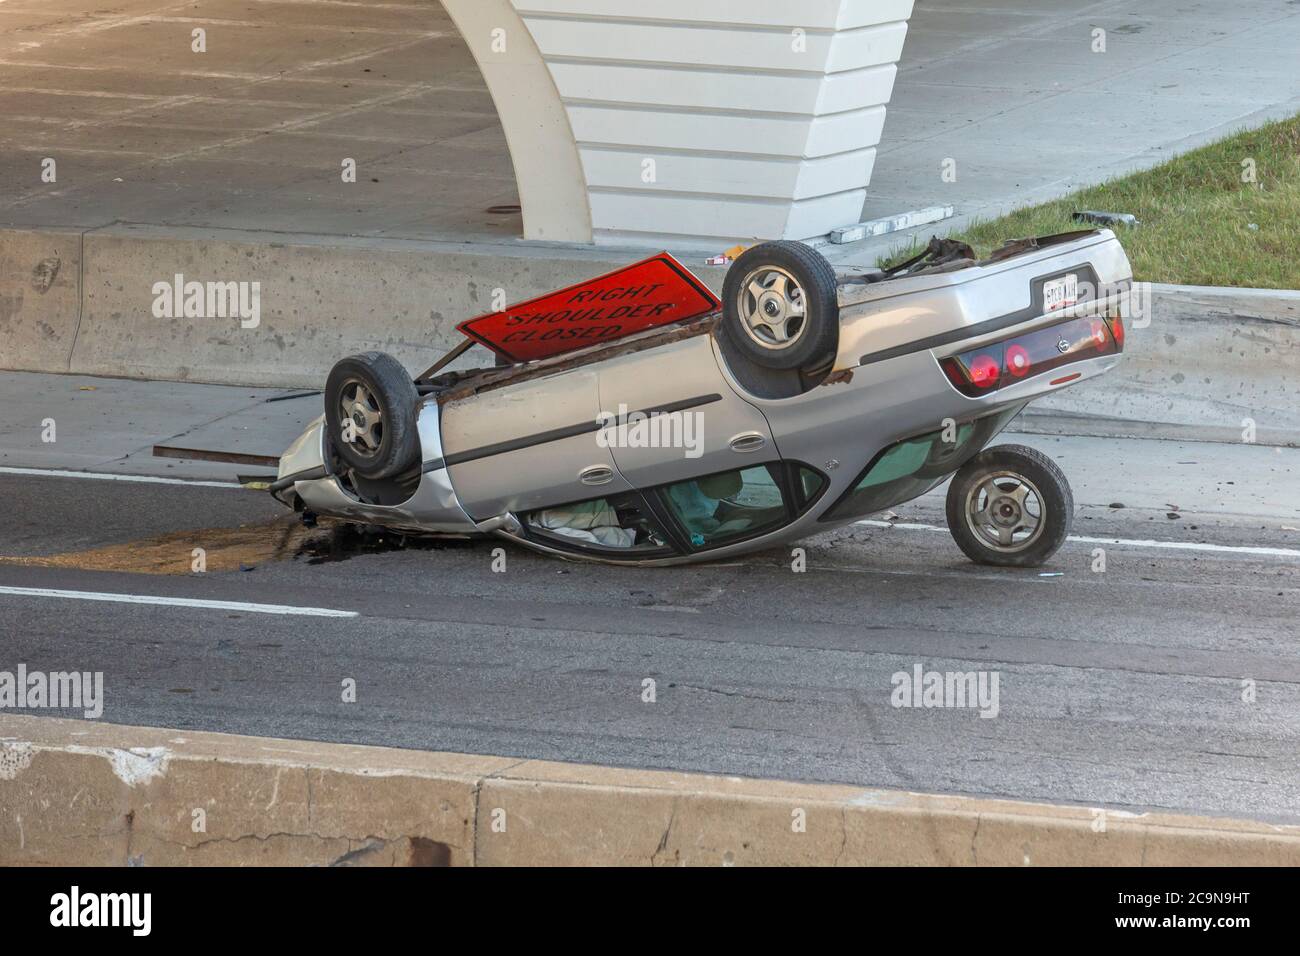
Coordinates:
1169 680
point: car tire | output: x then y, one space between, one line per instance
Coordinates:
762 295
986 508
376 395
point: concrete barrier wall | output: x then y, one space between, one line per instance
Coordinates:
85 793
1208 360
40 298
317 302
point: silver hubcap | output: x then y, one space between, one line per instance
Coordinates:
358 404
772 307
1005 511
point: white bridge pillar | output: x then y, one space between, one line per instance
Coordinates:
683 121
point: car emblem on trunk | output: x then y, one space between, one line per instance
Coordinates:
1063 346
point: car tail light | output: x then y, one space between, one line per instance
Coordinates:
990 367
975 373
1018 361
985 371
1116 323
1100 336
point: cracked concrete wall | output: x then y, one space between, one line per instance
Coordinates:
84 793
79 793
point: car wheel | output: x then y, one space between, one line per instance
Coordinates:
370 411
780 305
1011 506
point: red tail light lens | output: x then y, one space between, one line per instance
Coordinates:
977 372
983 370
1018 360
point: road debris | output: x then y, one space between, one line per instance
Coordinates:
1106 218
722 258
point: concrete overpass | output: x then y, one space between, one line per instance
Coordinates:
675 123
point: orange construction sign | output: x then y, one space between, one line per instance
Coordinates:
654 292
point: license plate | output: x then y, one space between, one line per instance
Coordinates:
1059 293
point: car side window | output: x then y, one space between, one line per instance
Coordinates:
908 469
728 506
810 484
617 524
903 471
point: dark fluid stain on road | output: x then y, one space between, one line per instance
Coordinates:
178 552
341 542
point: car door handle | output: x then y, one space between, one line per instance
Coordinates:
748 441
596 475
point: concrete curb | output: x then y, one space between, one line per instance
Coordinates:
1209 359
85 793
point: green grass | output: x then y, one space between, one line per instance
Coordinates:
1200 223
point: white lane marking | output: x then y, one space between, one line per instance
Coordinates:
901 524
103 476
1192 546
1121 542
179 602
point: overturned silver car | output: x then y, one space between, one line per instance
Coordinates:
805 402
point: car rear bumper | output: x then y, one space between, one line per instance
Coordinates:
884 320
